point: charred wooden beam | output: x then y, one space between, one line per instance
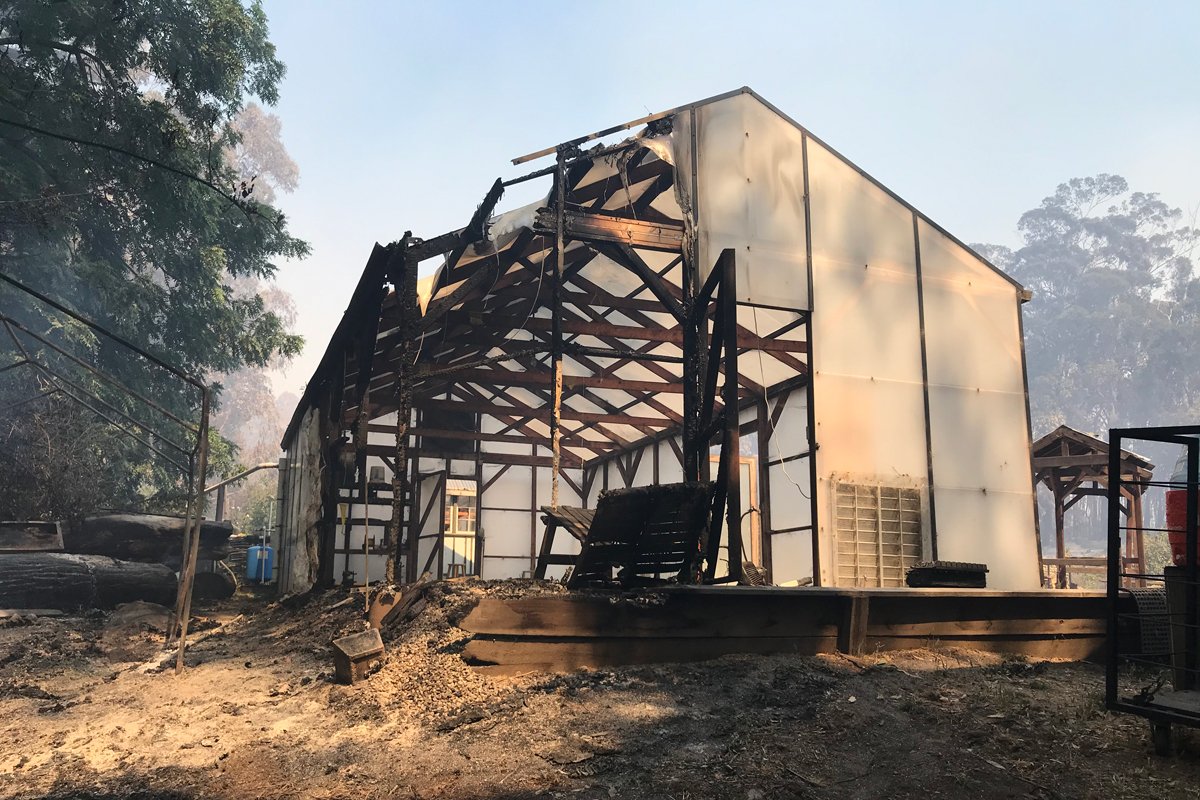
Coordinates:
597 227
633 176
621 253
511 459
543 378
667 434
508 438
542 413
731 446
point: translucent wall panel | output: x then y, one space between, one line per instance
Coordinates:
750 171
866 341
431 499
983 481
300 536
994 528
791 558
506 543
670 470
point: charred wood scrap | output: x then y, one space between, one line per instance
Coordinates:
31 536
148 538
71 582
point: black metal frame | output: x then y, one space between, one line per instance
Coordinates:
1160 715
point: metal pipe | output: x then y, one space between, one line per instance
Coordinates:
27 400
244 473
98 373
589 137
56 380
104 332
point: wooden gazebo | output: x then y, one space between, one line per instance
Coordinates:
1074 465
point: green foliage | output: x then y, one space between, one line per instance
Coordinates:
94 212
1114 326
1113 331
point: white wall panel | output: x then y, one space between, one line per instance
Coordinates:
868 386
495 569
644 476
791 557
507 534
993 528
790 502
669 468
751 198
512 489
983 481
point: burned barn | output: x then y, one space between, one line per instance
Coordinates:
875 414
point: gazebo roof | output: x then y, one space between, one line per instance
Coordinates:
1073 454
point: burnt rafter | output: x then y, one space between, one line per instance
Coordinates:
627 257
594 226
542 378
540 412
572 438
634 175
591 397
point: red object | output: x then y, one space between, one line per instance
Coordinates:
1177 525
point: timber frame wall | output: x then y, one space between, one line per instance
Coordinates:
578 344
596 377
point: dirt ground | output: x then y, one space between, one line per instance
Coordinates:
84 713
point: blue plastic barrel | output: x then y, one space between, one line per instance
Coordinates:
260 564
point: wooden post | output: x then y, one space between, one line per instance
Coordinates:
764 487
403 276
397 525
729 397
476 548
852 629
187 574
1060 541
1136 524
413 540
556 349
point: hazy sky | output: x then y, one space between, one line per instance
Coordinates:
401 115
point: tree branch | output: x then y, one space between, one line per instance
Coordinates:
247 209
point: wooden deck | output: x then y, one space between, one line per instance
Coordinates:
565 632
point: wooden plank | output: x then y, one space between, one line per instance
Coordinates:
1068 648
673 618
684 623
30 537
561 656
990 627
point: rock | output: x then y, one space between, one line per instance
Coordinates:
139 615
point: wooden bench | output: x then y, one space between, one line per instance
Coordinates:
576 521
644 536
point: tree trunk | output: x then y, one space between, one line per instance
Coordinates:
73 582
144 537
